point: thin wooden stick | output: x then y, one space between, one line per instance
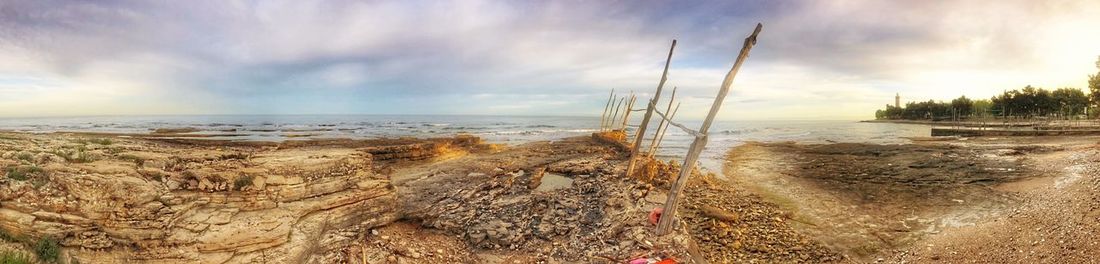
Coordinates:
649 113
662 123
664 226
663 130
681 126
626 115
616 115
606 108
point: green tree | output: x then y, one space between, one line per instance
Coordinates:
982 107
962 106
1070 101
1094 85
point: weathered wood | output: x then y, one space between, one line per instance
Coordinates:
649 113
681 126
657 132
661 138
616 115
669 214
626 114
606 109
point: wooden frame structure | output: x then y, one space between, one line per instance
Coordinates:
609 118
669 214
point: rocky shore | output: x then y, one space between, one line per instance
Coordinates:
928 201
116 199
93 198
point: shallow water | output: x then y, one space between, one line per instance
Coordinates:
495 129
552 181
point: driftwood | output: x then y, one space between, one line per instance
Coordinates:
665 224
661 137
614 116
681 126
719 213
629 106
606 109
649 113
660 125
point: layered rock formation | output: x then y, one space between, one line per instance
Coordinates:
124 200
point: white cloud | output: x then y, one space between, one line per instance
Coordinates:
815 59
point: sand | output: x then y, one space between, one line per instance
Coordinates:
954 200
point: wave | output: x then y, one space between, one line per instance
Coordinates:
795 135
739 131
543 131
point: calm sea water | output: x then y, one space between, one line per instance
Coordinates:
496 129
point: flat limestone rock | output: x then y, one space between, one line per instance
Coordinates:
140 200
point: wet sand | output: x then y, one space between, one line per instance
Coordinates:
901 202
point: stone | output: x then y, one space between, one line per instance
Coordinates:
123 217
259 182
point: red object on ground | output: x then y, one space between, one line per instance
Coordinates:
667 261
655 215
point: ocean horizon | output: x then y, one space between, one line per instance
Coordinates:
500 129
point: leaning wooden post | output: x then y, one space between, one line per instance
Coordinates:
616 115
649 113
653 143
664 226
606 108
661 138
629 108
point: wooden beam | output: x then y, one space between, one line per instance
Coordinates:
649 113
664 226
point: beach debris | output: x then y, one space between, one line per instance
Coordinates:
662 126
629 108
652 105
719 213
655 215
615 116
606 110
653 261
700 142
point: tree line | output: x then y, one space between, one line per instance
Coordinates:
1028 102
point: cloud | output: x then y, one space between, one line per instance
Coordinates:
540 58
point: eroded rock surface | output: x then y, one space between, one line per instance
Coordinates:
124 200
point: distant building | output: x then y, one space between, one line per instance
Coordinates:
897 100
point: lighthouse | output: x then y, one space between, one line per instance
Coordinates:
897 100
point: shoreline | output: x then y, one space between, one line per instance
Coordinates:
1004 128
886 202
405 198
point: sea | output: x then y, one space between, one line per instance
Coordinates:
507 130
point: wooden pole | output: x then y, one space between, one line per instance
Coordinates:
629 108
616 115
649 113
606 108
663 130
653 143
664 226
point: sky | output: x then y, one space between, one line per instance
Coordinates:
837 59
